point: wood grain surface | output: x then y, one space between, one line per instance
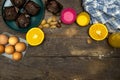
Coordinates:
64 55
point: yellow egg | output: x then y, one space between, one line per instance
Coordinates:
3 39
20 47
13 40
17 56
9 49
2 49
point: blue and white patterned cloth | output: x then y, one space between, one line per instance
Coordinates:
104 11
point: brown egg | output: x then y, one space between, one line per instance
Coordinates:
17 56
3 39
13 40
20 47
2 49
9 49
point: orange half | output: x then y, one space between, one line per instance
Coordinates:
35 36
98 31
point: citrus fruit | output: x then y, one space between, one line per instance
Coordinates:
83 19
98 31
114 40
35 36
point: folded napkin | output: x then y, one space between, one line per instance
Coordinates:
104 11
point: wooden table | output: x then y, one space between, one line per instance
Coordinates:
64 55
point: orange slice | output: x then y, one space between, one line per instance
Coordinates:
35 36
83 19
98 31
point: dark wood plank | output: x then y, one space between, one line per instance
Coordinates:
69 68
71 47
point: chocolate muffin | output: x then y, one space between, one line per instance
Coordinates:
54 6
18 3
32 8
10 13
23 20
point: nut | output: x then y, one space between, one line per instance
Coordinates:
58 25
54 18
89 41
40 26
53 23
46 25
43 22
53 26
49 20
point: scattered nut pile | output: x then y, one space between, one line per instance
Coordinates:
51 22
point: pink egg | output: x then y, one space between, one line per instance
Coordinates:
68 16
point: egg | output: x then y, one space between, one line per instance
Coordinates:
20 47
13 40
2 49
3 39
17 56
9 49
